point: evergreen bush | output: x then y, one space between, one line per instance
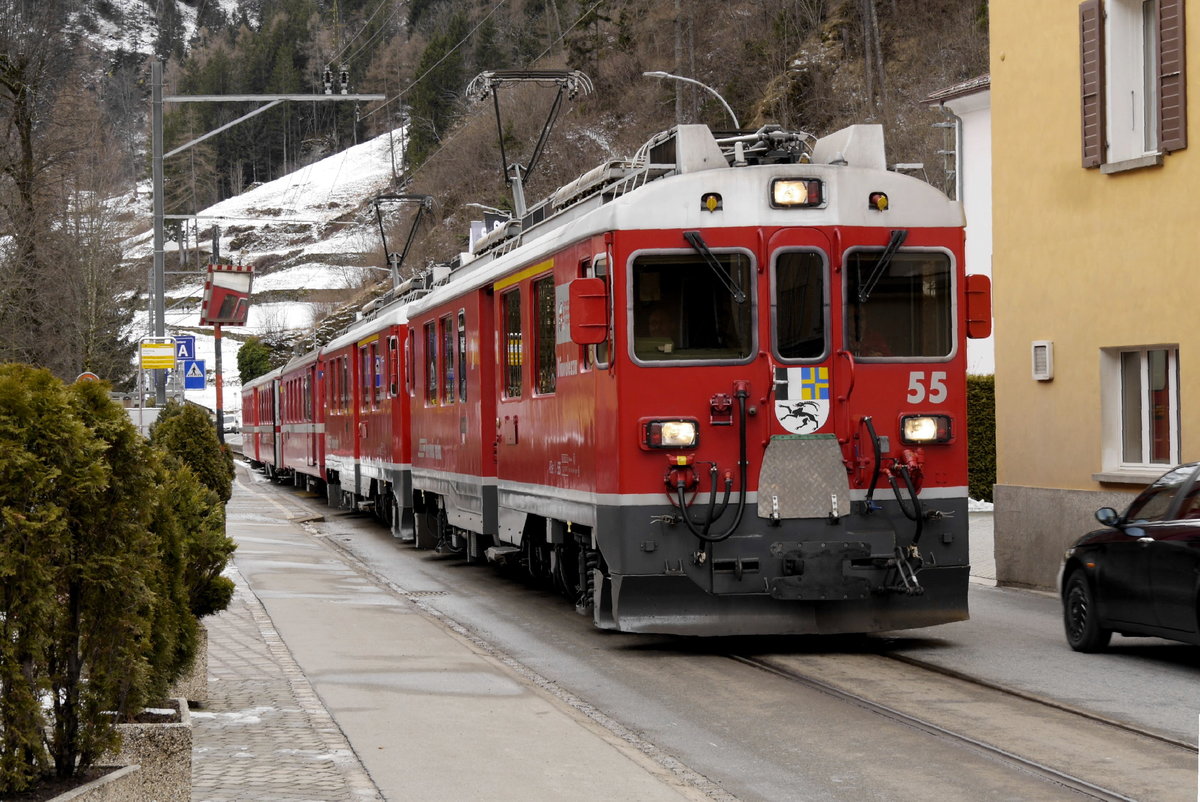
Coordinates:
78 598
186 433
253 359
201 482
981 436
110 549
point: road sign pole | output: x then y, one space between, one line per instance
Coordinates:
220 385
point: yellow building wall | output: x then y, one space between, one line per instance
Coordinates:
1080 258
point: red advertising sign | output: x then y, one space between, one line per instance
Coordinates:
226 295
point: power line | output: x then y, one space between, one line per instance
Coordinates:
350 41
447 55
371 40
563 35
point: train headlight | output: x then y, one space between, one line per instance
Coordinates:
922 429
678 433
790 192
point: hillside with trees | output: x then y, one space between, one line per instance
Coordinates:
75 108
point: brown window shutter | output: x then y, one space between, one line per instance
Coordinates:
1172 77
1091 71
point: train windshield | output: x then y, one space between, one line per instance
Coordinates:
902 308
681 310
800 306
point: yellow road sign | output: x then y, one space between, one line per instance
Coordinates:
156 356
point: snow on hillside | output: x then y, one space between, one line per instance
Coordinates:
295 218
130 26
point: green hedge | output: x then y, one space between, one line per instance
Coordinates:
110 548
981 436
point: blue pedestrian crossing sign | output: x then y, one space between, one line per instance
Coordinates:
193 374
185 347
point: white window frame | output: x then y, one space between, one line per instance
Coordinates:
1131 89
1115 467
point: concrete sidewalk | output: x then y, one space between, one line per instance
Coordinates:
325 684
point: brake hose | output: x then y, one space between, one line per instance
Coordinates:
916 515
702 533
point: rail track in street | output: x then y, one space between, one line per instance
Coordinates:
1095 756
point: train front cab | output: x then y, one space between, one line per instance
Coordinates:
841 379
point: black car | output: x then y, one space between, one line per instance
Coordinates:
1139 575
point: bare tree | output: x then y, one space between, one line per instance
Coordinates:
29 43
61 286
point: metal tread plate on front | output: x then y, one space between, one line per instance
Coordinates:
803 476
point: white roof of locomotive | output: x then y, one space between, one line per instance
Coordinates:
393 315
850 163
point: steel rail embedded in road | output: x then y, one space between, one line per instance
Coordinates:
1125 726
1021 763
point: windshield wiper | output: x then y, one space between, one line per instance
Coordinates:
697 242
885 259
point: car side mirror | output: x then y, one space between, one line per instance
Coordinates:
1107 516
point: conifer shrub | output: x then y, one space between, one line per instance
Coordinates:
110 549
186 433
253 358
79 565
200 484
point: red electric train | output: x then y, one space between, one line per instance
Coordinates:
715 389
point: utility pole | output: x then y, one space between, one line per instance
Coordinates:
156 172
158 279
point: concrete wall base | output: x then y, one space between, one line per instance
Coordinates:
115 786
164 753
1034 526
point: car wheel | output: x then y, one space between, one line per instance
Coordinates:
1081 618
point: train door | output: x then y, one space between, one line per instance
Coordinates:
312 402
276 423
512 386
801 323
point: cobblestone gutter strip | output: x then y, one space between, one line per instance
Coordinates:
265 734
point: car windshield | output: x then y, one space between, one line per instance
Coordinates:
1155 501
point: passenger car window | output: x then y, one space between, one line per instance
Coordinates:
904 309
